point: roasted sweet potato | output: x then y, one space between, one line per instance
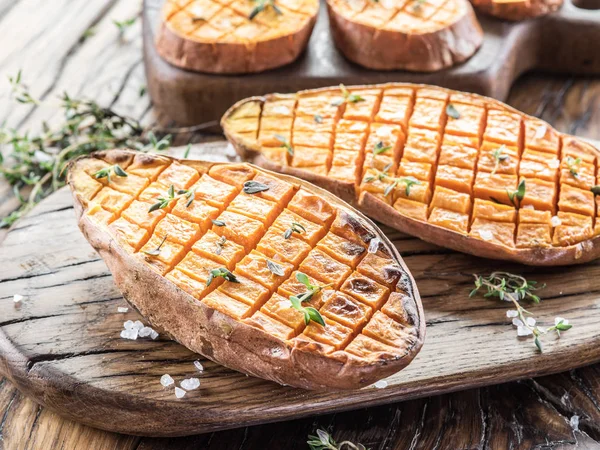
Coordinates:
517 10
215 254
242 36
458 170
410 35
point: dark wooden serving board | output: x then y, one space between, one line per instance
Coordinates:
63 349
566 41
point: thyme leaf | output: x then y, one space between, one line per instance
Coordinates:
318 118
163 202
284 143
262 5
218 223
253 187
573 166
295 227
517 196
310 313
347 97
156 251
324 441
275 268
381 148
105 173
223 273
451 111
595 190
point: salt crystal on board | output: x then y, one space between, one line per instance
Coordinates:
166 380
138 325
381 384
153 335
517 322
131 334
179 393
512 313
145 331
530 321
128 325
122 309
574 422
189 384
524 331
198 365
18 298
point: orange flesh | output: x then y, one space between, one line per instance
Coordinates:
454 164
229 22
190 245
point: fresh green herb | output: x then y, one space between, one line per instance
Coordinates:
105 173
517 196
381 148
416 6
595 190
124 24
383 175
347 97
254 187
87 34
20 91
295 227
275 268
451 111
163 202
324 441
220 244
284 143
309 312
218 223
515 288
573 165
221 272
312 289
262 5
142 90
186 154
318 118
190 194
35 163
499 157
156 251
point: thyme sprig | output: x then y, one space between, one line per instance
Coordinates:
380 148
34 164
573 166
517 196
262 5
318 118
309 312
311 289
516 288
123 25
223 273
499 157
295 227
105 173
324 441
285 143
163 202
347 97
394 181
156 251
189 194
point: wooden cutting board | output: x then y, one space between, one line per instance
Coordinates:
566 41
63 349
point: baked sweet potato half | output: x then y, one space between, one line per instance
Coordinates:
458 170
413 35
517 10
263 273
241 36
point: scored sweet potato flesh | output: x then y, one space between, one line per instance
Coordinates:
448 159
367 301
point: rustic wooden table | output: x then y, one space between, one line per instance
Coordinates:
45 39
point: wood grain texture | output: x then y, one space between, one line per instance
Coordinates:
63 347
559 42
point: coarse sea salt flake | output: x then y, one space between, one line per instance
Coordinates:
179 393
145 331
555 221
280 109
189 384
166 380
517 322
381 384
554 163
18 298
138 325
512 313
122 309
486 235
198 365
524 331
530 321
131 334
129 325
153 334
374 245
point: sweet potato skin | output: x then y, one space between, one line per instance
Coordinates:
373 207
232 58
517 11
390 50
235 344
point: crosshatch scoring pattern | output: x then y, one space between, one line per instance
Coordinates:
366 308
404 16
228 21
446 158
